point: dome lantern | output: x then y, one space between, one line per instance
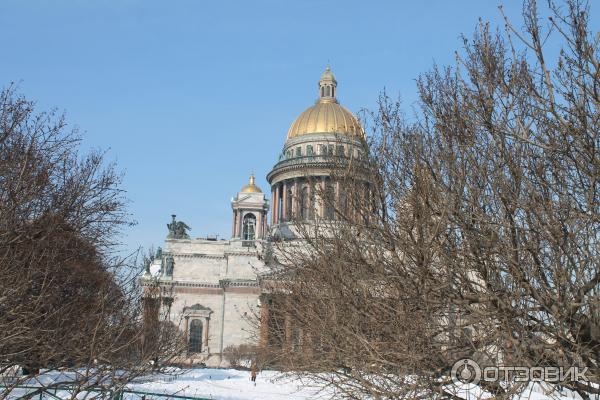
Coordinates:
327 86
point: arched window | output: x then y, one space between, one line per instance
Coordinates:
195 336
327 91
304 203
249 228
322 91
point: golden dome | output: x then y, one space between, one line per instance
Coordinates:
327 115
251 187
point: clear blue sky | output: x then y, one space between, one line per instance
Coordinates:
191 96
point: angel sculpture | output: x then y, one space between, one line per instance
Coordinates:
177 229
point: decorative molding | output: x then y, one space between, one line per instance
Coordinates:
199 255
171 283
197 310
227 283
223 283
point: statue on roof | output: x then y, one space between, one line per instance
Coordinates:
177 229
147 263
169 265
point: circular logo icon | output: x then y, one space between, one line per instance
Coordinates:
466 371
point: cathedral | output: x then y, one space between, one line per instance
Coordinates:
212 288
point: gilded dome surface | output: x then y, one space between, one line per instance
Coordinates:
327 115
251 187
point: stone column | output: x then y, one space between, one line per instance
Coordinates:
240 224
265 228
336 199
273 205
284 214
311 203
278 195
279 203
292 199
321 199
297 187
234 223
258 226
187 331
205 341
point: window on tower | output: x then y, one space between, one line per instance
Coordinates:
298 151
249 227
309 150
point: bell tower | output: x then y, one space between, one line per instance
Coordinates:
250 209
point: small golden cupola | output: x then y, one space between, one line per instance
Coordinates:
251 186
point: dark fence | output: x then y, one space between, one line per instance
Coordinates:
38 392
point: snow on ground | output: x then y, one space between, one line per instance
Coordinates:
532 391
231 384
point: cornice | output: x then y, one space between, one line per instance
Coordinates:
199 255
222 284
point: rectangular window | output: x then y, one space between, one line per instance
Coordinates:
309 150
330 150
323 149
339 151
298 151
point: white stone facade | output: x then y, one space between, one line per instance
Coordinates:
212 287
213 283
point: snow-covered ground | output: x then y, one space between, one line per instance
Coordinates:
231 384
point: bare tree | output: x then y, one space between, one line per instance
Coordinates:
475 233
68 302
